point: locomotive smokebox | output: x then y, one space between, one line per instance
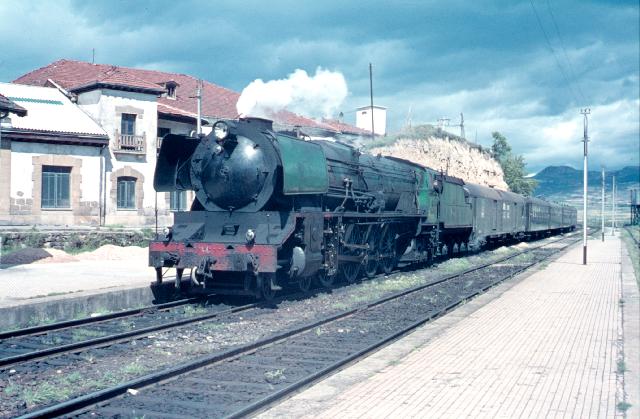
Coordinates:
231 169
234 175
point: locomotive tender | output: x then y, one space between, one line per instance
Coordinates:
272 210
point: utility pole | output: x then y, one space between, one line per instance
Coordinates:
199 101
602 211
462 125
613 207
585 172
373 132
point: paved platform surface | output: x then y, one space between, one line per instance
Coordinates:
561 342
25 283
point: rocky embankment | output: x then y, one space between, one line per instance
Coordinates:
450 154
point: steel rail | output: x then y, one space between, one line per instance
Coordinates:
81 402
90 320
117 337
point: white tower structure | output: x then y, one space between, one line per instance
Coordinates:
363 119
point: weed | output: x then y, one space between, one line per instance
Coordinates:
212 326
621 366
84 334
134 369
275 376
194 310
39 319
623 406
48 392
340 306
11 389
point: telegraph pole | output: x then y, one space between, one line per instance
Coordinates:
602 211
199 102
613 207
373 133
585 112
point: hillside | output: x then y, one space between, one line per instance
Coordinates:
440 150
564 184
564 180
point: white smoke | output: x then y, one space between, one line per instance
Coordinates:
319 95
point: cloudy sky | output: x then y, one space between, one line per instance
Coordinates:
524 68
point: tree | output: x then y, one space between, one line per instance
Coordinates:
513 166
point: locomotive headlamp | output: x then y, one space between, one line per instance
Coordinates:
220 130
250 236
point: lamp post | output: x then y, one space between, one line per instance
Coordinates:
613 206
602 210
585 173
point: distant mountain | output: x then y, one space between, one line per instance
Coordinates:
564 180
564 184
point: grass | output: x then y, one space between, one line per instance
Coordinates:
134 369
63 386
85 334
60 387
275 376
621 367
623 406
193 310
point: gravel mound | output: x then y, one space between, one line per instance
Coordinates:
22 256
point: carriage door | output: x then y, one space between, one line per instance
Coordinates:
494 216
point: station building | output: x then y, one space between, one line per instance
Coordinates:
93 132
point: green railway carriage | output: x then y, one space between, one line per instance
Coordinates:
538 215
455 212
569 217
497 214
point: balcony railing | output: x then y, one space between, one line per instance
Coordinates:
132 144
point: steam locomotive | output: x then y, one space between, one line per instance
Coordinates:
273 210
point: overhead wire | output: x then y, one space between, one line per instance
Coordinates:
566 56
555 56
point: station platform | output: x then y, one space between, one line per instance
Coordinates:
561 341
62 289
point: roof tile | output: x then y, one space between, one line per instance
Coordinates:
217 101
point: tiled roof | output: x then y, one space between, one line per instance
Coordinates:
345 128
7 105
217 102
48 110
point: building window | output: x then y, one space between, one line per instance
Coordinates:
55 187
178 201
171 91
126 192
128 124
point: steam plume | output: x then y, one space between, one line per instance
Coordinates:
315 96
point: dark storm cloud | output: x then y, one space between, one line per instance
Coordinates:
489 60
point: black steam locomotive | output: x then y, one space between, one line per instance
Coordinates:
273 210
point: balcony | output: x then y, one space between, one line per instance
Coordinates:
130 144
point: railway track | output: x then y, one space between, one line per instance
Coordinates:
246 378
63 337
633 236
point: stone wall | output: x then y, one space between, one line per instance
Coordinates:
74 239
